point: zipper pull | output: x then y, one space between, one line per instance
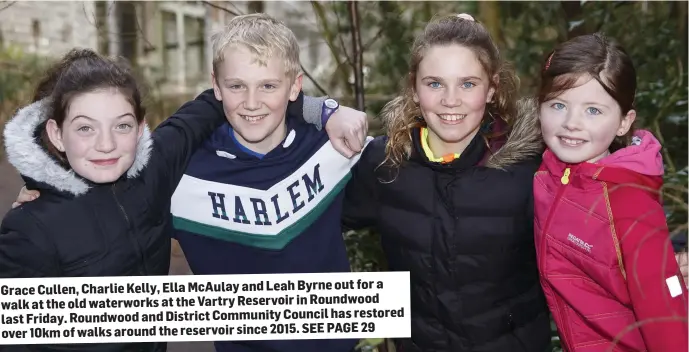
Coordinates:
565 178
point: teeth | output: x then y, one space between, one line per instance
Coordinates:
452 117
253 118
572 142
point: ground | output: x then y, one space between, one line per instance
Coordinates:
11 183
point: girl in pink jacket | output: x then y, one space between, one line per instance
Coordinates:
604 254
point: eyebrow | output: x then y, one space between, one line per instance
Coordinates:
461 78
237 80
594 103
92 119
585 103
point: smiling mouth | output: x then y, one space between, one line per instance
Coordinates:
105 162
452 117
254 118
572 142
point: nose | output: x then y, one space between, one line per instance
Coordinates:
451 97
105 142
572 121
252 101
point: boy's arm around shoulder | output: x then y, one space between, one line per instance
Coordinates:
25 250
656 288
361 203
176 139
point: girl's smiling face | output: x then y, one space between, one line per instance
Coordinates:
452 90
581 123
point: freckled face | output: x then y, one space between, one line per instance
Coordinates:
255 97
580 124
99 135
452 90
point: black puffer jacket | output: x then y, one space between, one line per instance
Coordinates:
78 228
464 231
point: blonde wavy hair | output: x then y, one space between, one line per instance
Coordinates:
402 114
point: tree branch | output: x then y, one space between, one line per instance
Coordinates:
211 4
8 5
357 54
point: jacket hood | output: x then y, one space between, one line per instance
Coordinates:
524 140
642 156
33 161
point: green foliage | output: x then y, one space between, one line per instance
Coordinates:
19 73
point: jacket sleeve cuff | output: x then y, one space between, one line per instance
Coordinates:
313 108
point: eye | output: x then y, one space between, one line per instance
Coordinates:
84 129
468 85
269 86
593 111
434 85
124 127
558 106
235 86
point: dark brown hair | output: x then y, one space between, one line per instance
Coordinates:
401 114
599 57
83 71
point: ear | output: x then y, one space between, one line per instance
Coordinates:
142 127
415 96
626 122
55 135
296 87
216 88
493 88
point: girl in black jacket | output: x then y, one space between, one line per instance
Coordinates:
105 180
450 191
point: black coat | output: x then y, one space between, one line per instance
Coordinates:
78 228
464 231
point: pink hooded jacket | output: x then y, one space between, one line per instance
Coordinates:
605 258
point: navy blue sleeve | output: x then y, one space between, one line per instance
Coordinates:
176 139
679 242
361 204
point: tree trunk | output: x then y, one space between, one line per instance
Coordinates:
574 19
256 6
489 12
357 54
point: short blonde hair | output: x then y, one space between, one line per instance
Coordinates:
263 35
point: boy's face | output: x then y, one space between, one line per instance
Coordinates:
255 97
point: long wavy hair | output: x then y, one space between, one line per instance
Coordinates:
402 114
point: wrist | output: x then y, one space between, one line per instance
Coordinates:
329 107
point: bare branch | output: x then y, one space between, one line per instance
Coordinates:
8 5
318 86
373 40
357 53
221 8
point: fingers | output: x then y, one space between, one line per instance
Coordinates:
363 132
341 146
353 139
27 196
